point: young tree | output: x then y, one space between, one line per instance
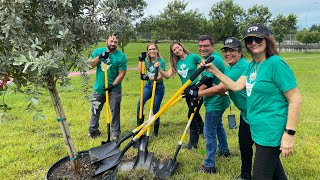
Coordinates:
41 41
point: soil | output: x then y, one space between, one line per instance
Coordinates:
65 171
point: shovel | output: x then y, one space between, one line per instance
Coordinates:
141 117
114 160
171 165
109 149
144 157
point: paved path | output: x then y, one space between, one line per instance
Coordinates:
94 71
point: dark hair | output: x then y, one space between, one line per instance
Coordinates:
173 57
206 37
271 48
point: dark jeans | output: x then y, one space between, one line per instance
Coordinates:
267 164
196 123
147 93
246 149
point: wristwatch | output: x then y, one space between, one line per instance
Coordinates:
290 131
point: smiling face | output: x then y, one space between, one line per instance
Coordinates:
152 51
177 50
112 43
231 56
205 48
256 45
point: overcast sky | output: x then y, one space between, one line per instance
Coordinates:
308 11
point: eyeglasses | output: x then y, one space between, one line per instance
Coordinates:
204 45
152 49
225 50
249 40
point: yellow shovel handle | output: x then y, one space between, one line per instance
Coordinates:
105 66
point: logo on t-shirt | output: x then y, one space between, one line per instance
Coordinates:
108 65
183 72
150 71
249 87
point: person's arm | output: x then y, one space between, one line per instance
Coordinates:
295 100
240 84
168 74
119 78
214 90
93 62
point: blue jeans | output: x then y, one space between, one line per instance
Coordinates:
213 128
147 93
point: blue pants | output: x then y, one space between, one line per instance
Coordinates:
213 128
147 93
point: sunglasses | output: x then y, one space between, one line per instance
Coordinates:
250 39
225 50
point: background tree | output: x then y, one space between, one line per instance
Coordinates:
42 41
146 27
226 17
282 25
126 12
305 36
256 14
176 23
315 27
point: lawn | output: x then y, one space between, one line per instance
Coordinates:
30 147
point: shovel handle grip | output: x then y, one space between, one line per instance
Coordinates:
197 73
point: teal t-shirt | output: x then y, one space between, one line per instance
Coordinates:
267 106
187 67
151 69
115 62
239 98
217 102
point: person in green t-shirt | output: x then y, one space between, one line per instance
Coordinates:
185 64
273 102
117 67
153 56
233 54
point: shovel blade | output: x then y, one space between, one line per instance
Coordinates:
168 169
144 160
108 163
102 152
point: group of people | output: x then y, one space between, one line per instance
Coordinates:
264 90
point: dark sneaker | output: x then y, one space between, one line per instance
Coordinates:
94 134
242 178
208 170
189 146
225 154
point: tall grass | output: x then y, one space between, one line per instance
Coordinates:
29 148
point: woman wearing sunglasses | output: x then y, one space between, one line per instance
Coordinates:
273 102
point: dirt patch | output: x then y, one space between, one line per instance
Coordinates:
65 171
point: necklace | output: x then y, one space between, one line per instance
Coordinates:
254 74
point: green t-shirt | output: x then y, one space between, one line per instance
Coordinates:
216 102
187 67
115 62
239 98
267 106
151 70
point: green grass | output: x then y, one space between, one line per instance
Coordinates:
29 148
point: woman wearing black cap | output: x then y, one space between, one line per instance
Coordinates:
273 102
233 54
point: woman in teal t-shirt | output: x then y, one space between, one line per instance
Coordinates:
273 102
185 64
153 57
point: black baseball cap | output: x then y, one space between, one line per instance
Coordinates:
257 30
232 43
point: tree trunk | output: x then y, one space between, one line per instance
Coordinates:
61 118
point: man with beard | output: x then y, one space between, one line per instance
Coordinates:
117 67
